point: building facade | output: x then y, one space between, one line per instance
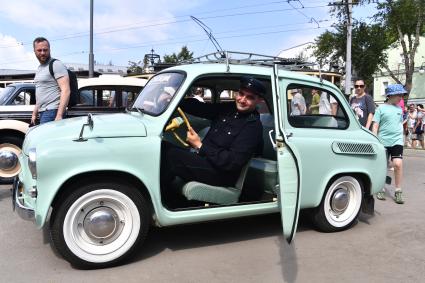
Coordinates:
395 62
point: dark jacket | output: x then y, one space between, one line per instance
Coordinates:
233 137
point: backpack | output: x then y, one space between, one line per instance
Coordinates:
73 84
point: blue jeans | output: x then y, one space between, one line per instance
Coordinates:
48 116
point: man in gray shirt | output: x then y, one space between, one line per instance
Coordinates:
52 93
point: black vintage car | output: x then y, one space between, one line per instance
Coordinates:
105 94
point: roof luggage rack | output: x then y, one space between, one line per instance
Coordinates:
245 58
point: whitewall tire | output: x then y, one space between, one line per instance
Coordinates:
100 224
340 205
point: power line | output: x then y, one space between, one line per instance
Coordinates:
236 30
223 37
149 44
130 27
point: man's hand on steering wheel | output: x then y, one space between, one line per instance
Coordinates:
175 123
193 139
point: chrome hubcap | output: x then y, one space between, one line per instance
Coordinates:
8 160
102 225
340 200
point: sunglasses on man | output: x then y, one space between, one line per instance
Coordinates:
358 86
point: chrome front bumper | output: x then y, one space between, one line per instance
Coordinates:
17 202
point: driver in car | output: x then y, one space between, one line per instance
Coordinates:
235 135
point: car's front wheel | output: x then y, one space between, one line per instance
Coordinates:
99 224
340 205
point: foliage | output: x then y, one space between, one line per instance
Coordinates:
368 49
395 21
402 16
368 45
403 19
135 67
184 54
330 46
340 9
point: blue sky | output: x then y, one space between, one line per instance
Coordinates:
126 30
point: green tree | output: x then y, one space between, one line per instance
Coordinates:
403 20
135 67
184 54
367 49
395 22
329 47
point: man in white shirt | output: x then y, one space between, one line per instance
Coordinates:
327 106
298 105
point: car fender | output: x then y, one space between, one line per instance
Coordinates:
362 170
14 125
66 164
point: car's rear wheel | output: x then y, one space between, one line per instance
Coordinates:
12 144
340 205
100 224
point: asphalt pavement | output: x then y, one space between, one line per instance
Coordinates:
386 247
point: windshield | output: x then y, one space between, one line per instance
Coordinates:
158 92
5 94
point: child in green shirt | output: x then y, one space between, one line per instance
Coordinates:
388 126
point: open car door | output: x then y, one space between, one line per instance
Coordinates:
289 173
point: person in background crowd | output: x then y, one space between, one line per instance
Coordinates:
419 127
315 102
362 104
327 106
199 94
52 93
411 120
298 106
387 126
401 104
124 101
405 110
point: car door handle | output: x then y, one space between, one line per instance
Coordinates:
272 139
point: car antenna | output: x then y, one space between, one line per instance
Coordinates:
210 36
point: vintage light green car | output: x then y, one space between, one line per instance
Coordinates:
95 181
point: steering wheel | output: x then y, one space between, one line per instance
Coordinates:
176 123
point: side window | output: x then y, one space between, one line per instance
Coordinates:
311 107
122 96
202 94
87 97
25 97
108 96
227 95
100 96
130 98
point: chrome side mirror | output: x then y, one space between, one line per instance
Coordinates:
90 124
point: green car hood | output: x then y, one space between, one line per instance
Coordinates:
104 126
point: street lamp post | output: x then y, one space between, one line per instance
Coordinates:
348 59
151 57
91 55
